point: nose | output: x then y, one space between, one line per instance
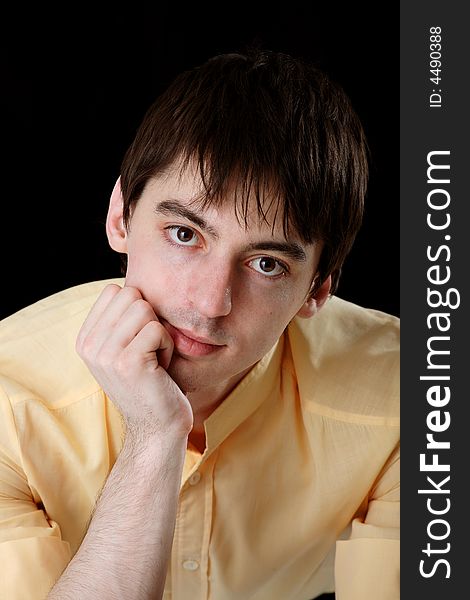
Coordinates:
211 291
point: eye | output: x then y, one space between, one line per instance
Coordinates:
269 266
183 236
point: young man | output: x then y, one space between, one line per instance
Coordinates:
216 424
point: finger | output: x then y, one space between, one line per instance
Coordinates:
97 310
153 344
131 322
103 326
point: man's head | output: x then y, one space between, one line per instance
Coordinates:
237 204
275 126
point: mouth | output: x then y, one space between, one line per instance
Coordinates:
189 344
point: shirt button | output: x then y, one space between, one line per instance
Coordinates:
190 565
195 478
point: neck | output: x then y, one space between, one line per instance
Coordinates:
204 401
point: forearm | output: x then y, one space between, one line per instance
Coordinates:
126 549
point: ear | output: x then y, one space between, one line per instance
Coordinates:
314 303
115 230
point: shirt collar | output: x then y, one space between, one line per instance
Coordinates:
244 399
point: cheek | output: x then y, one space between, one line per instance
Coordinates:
160 281
272 307
262 322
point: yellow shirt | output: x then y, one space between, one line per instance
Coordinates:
295 495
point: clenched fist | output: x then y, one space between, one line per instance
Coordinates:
128 350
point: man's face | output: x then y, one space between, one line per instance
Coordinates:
224 292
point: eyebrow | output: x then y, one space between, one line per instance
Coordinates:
172 207
290 249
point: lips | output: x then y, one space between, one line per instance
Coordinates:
190 344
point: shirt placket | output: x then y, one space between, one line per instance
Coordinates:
190 552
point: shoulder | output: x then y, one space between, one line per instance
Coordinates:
56 307
346 360
37 345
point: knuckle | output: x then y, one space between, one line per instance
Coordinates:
140 304
154 328
131 293
144 309
78 345
86 347
110 290
124 364
106 359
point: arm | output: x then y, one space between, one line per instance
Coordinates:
367 565
126 549
32 551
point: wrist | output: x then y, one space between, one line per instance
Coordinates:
153 445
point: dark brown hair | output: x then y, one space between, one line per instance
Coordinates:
273 124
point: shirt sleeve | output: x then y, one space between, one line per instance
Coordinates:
367 565
32 553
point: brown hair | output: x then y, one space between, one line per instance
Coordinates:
270 122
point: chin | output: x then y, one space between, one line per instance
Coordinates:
185 377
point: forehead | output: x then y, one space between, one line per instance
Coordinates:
254 208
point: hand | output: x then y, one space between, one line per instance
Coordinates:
128 350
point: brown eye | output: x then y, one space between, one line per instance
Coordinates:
183 236
269 266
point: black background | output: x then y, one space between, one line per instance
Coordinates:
76 86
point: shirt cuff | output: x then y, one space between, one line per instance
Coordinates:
367 568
